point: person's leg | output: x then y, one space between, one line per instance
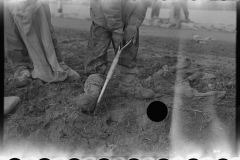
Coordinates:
129 83
16 51
177 14
15 48
72 75
98 44
156 5
95 67
53 33
185 10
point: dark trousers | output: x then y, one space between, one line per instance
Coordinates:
177 9
185 9
99 42
15 49
156 5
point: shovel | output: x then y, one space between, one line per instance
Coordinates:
109 75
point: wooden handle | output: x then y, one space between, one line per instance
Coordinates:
109 75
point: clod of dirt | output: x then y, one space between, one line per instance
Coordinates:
218 94
109 121
185 89
161 77
168 76
195 76
188 93
183 63
201 75
166 73
22 83
38 82
163 81
201 40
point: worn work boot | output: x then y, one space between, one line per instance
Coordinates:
22 77
92 89
129 84
72 75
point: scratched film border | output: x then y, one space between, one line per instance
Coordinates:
176 158
2 79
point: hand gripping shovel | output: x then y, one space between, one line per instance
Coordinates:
109 75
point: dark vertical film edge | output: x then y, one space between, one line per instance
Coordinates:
2 52
238 81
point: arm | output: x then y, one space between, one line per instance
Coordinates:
138 13
112 11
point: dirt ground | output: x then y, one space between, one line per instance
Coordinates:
47 115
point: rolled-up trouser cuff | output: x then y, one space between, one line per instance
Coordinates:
96 68
127 63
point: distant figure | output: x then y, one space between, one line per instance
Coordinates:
156 5
183 4
176 14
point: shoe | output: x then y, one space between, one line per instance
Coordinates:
10 103
130 85
72 75
92 89
22 77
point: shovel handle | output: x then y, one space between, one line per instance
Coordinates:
109 75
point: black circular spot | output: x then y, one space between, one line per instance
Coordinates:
133 159
157 111
73 159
